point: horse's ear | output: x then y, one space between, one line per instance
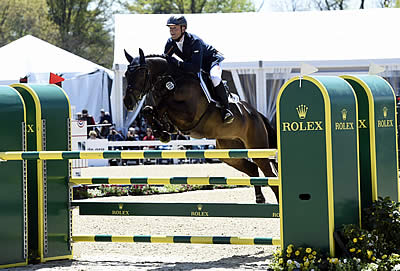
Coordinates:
128 56
141 59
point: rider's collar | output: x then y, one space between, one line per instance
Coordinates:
180 43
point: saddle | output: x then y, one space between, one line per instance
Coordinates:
168 83
208 89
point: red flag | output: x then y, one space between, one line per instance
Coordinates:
54 78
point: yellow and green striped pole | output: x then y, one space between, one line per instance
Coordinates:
151 154
263 181
221 240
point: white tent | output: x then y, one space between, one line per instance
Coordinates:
262 50
87 84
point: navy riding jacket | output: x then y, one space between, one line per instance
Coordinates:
196 54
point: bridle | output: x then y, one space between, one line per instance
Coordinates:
146 84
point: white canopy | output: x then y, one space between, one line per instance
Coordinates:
32 55
273 36
86 83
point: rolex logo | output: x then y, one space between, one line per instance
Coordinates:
199 207
385 110
302 111
120 206
344 114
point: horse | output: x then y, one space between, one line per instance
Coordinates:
179 100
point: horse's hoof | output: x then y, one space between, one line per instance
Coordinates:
147 110
165 137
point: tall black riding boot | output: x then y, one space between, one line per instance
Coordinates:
227 115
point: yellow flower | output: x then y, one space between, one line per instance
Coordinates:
354 240
289 249
352 249
369 252
373 258
334 260
306 264
308 250
288 255
297 253
310 256
305 258
384 257
360 238
314 253
358 251
280 261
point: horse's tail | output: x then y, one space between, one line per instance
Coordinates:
272 137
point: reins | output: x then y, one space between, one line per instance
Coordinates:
159 89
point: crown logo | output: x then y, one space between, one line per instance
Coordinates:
302 111
120 206
199 207
344 114
385 110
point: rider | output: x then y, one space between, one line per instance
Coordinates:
196 56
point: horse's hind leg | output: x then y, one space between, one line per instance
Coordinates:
250 169
242 165
265 166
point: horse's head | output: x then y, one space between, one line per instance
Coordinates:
138 79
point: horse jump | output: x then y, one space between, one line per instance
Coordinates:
318 168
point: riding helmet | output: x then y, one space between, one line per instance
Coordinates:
177 20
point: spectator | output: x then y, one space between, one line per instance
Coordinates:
104 116
149 135
114 135
104 130
92 135
132 135
89 120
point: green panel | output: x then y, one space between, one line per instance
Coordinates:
33 237
56 112
177 209
318 160
364 144
379 146
13 239
345 165
385 136
49 224
305 220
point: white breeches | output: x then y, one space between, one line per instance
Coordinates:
215 75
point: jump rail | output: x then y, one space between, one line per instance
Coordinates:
222 240
262 181
151 154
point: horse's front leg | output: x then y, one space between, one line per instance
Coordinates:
152 118
149 115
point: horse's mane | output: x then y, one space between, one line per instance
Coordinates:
155 55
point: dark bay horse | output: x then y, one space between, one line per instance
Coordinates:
184 104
